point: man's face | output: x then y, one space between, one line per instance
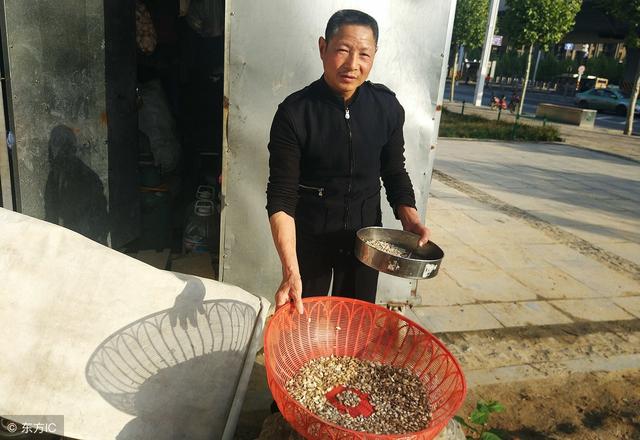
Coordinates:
348 58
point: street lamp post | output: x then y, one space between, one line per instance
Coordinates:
486 52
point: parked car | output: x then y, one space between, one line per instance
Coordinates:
604 99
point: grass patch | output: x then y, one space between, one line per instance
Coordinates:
477 127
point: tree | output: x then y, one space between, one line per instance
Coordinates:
538 22
468 29
628 12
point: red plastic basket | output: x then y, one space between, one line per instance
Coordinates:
347 327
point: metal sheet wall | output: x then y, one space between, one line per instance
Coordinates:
54 55
272 51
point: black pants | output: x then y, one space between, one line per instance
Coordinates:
320 256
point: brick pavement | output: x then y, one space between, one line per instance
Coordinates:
534 234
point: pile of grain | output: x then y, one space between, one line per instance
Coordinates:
397 395
389 248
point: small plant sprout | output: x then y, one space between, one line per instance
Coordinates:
476 423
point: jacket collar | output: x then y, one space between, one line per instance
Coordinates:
326 92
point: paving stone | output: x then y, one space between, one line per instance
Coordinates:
578 195
463 256
456 203
437 231
630 251
519 314
455 318
552 283
443 291
514 256
600 278
486 217
541 370
491 284
596 234
522 201
627 361
488 236
599 309
511 373
440 204
452 220
441 190
515 230
554 252
623 193
536 345
630 304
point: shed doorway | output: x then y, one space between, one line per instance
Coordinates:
179 100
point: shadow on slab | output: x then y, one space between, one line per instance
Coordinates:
176 370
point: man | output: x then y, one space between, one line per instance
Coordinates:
330 144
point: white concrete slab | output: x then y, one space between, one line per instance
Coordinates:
597 309
443 291
455 318
630 304
514 256
607 282
630 251
552 283
519 314
120 348
491 285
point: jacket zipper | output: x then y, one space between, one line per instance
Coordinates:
320 191
347 118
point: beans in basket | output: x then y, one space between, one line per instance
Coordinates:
362 395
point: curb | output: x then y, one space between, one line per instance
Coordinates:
560 125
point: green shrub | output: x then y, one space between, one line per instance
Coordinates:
550 67
511 64
477 127
605 67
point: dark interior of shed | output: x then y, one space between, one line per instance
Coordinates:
179 93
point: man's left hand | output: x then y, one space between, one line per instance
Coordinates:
411 223
422 231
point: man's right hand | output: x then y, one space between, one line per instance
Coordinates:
283 229
290 290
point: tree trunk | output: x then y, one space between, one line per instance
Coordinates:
631 110
454 72
526 80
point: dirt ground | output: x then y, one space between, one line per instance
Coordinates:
585 406
589 406
564 405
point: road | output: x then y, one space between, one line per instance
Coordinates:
532 99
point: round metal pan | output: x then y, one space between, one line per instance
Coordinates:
422 263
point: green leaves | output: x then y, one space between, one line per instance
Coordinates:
470 22
628 12
491 406
464 423
489 436
541 22
483 410
480 417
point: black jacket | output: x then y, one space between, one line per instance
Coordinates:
326 159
